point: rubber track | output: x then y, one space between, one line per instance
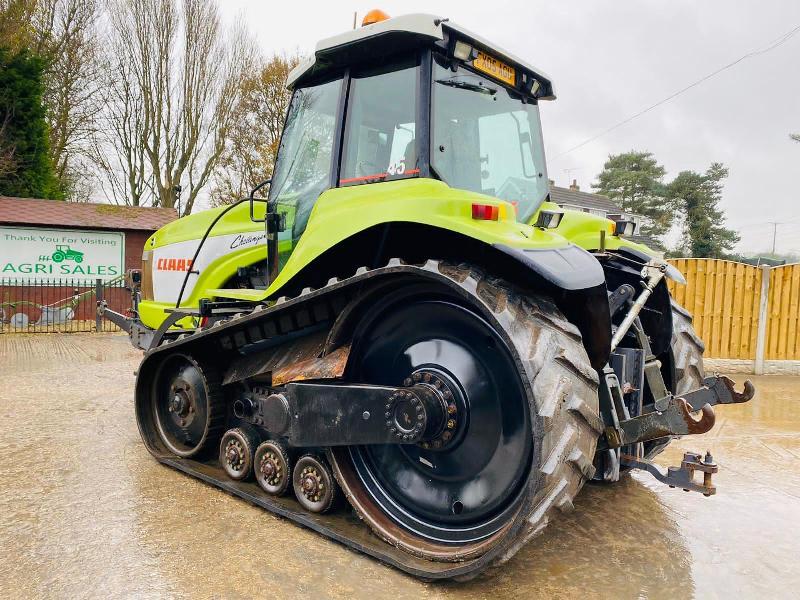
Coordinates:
216 408
562 390
559 380
687 351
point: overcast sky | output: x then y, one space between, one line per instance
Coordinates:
609 59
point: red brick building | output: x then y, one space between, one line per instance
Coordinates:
50 249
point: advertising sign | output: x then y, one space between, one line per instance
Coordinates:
47 255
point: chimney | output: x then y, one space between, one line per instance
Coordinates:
575 185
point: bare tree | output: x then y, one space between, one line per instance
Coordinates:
16 17
172 85
66 34
118 146
63 33
255 133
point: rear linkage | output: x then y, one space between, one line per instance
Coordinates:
668 415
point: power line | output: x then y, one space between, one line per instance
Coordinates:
771 46
791 223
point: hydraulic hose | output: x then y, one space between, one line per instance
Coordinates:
657 271
206 234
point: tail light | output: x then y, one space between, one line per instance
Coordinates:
485 212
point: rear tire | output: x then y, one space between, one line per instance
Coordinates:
559 393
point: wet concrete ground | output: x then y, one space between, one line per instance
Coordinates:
85 512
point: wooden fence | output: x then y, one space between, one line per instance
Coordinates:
741 311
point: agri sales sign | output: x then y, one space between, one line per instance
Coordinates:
47 255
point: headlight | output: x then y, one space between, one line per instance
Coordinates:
626 228
147 275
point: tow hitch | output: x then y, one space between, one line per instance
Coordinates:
719 390
683 476
674 416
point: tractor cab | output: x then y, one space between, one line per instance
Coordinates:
410 97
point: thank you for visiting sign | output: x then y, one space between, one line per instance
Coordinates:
47 255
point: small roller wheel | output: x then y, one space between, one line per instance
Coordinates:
236 452
272 467
314 485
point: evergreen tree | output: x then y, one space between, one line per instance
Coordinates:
696 196
635 181
25 128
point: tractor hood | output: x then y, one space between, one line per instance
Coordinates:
194 226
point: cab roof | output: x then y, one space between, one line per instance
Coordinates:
397 34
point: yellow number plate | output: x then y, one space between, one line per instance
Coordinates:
497 69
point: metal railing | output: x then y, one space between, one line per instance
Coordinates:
59 305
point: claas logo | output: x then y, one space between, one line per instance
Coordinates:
173 264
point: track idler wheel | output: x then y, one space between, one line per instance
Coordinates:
314 485
186 408
272 468
236 452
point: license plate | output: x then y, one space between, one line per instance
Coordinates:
497 69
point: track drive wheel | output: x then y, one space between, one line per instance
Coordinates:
524 411
236 452
187 404
314 485
272 467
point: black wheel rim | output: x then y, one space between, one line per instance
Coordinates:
181 406
469 489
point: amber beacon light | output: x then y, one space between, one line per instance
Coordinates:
376 15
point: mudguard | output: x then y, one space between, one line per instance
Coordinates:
568 268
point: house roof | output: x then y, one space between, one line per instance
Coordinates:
562 196
34 212
647 240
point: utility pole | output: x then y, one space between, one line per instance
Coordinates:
775 233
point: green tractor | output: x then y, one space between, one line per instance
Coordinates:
64 252
405 324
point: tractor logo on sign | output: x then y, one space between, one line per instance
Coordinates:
64 252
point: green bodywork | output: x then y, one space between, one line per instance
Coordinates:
340 213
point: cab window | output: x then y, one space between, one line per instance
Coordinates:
487 139
381 133
302 171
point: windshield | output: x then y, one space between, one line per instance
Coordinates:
303 168
487 140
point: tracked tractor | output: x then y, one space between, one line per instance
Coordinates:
402 327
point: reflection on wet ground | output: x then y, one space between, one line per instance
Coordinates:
85 511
